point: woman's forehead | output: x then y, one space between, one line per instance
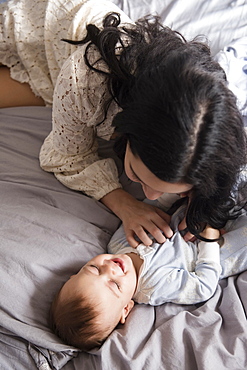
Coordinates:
146 177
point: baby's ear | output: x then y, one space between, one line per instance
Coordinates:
126 310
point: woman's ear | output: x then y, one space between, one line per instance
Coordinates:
126 310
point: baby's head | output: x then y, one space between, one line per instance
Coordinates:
92 303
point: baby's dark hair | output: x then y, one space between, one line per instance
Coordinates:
178 114
76 321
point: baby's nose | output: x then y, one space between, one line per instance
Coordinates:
110 266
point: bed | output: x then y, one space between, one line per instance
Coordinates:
48 231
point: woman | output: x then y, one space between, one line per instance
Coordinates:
165 99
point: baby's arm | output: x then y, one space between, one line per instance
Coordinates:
205 278
210 233
182 286
190 286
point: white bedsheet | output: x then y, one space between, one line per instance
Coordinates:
221 21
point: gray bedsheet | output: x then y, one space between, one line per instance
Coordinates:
47 232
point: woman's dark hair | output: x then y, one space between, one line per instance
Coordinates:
178 114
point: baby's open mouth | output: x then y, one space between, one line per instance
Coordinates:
120 263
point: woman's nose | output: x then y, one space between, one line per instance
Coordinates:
150 193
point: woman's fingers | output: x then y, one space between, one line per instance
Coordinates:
142 222
132 236
156 228
182 225
163 224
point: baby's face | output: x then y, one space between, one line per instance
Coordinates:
109 280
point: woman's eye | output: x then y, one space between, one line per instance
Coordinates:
135 179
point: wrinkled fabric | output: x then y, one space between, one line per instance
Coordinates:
233 59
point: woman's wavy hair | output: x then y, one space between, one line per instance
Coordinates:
178 114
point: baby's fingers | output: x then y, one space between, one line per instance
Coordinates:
189 237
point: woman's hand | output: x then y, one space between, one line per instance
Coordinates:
138 218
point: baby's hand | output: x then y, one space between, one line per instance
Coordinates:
210 233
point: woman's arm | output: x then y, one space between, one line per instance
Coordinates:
71 149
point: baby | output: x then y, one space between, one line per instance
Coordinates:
100 296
